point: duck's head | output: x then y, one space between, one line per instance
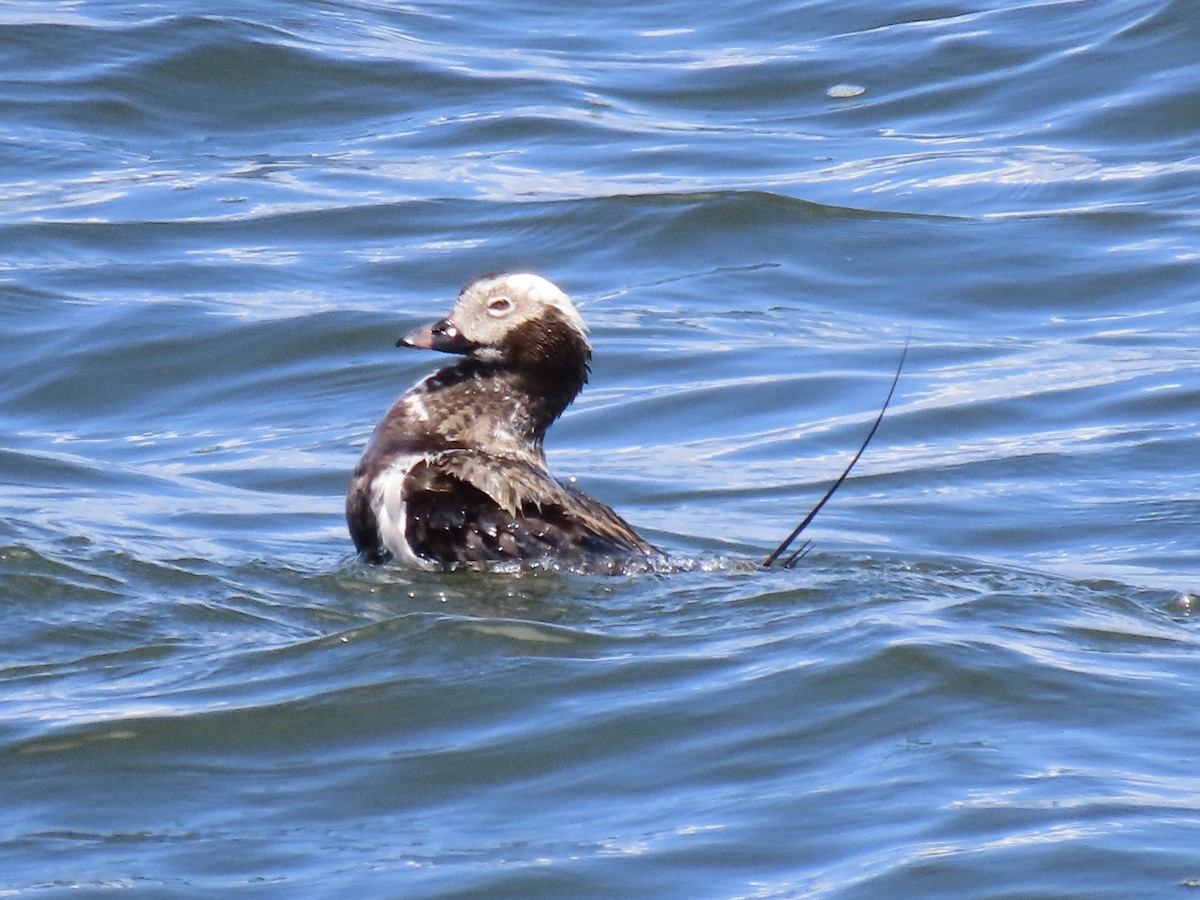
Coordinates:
511 319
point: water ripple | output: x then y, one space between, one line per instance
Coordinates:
215 227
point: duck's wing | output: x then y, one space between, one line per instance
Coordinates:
463 506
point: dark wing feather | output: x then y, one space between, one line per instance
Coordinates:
468 507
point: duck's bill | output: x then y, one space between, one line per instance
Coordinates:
442 335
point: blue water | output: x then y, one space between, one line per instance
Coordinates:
214 223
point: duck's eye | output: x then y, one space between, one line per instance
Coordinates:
500 306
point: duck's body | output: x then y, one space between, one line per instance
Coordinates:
455 474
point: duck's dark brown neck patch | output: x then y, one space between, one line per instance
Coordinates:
550 359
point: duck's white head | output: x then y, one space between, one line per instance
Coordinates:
506 317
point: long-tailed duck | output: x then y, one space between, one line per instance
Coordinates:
455 474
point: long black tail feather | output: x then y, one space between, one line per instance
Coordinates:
797 555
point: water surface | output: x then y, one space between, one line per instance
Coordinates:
981 682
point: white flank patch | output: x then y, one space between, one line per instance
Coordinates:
387 499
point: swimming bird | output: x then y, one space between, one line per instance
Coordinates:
455 474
